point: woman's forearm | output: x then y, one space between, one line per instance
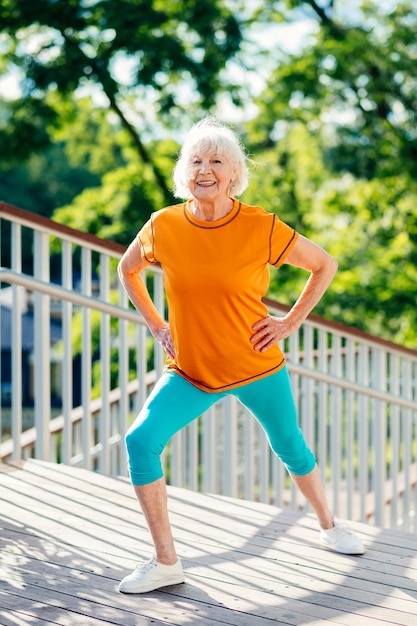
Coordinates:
139 296
312 293
129 269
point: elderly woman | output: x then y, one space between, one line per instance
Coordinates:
215 252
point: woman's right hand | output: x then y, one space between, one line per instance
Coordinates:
163 336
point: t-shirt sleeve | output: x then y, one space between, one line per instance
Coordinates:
145 240
283 238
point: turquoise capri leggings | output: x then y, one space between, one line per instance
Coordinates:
175 402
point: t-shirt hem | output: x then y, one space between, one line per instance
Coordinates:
233 385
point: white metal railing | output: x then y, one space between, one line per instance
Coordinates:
356 395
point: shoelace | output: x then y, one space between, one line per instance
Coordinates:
342 528
145 567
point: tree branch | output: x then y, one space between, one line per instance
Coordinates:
110 88
140 147
321 12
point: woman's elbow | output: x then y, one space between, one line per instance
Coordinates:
332 265
121 269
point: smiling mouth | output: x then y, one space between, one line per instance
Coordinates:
206 183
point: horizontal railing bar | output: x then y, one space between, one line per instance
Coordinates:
56 291
56 424
351 386
347 332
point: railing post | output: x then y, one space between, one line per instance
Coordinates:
363 434
177 458
407 442
264 467
322 404
350 430
16 415
307 397
141 367
336 417
67 362
249 451
41 364
193 456
394 429
230 446
123 417
209 465
294 355
105 416
86 361
380 433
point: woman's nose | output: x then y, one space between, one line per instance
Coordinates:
204 168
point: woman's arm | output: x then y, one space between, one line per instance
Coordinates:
130 266
322 267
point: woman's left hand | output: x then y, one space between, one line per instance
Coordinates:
269 331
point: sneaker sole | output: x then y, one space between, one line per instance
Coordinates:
174 580
331 548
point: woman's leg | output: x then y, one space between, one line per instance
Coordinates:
153 501
271 401
312 489
173 403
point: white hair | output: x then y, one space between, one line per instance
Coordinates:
210 135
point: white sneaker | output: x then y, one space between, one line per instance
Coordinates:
341 538
152 575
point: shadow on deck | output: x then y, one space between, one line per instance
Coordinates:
68 536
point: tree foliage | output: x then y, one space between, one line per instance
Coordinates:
357 81
353 90
167 47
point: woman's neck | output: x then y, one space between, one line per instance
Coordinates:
210 212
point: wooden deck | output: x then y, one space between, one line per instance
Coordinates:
68 536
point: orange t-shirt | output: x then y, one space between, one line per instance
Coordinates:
215 275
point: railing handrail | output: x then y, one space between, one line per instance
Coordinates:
345 330
46 225
56 291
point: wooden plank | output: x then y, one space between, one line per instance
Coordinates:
259 571
177 606
16 611
285 584
69 535
286 549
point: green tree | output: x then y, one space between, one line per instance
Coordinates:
118 208
355 80
371 228
353 89
173 52
124 194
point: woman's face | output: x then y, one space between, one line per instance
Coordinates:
210 175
